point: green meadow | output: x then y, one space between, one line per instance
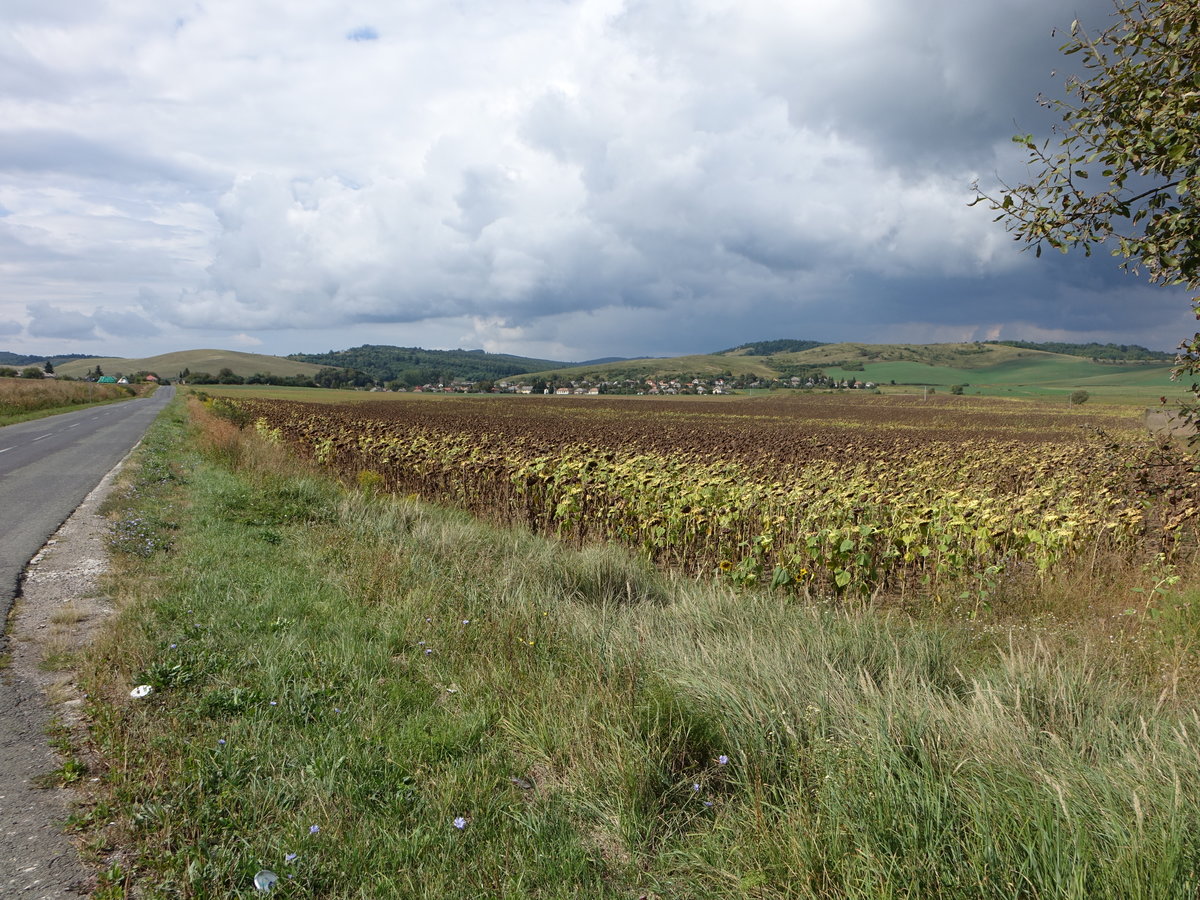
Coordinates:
1134 383
996 370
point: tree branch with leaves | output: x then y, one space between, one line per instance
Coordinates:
1124 166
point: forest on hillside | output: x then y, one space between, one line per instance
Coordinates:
412 366
1114 352
25 359
768 348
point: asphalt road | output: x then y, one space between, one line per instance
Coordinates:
49 465
47 468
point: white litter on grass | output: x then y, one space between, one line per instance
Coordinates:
265 880
142 690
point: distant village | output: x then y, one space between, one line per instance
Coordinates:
553 386
671 385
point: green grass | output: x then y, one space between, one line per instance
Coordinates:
1140 384
379 668
996 370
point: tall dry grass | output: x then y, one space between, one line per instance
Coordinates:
27 395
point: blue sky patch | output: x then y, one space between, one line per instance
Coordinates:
365 33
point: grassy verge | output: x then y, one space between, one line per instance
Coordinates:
375 698
22 400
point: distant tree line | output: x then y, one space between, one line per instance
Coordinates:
412 366
1121 352
26 372
326 378
768 348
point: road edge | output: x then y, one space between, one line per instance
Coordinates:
56 612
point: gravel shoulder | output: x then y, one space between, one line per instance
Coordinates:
58 611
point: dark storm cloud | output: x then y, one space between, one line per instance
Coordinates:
1065 294
922 81
124 323
49 321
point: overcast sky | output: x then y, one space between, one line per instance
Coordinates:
565 179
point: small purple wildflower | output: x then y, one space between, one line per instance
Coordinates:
314 829
695 787
173 646
460 823
722 760
466 621
221 742
428 650
290 858
273 703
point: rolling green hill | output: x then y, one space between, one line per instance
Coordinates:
963 356
992 369
169 365
995 369
660 367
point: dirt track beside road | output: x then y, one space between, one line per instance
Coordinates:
56 614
